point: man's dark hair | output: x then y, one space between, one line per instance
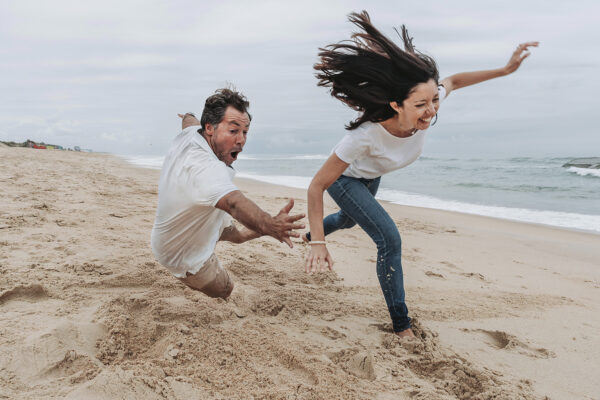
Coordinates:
370 71
215 106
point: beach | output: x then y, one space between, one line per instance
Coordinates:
501 309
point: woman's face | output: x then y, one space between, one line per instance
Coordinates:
419 107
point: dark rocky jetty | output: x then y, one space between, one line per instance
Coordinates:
590 162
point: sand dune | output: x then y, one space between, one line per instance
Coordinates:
502 310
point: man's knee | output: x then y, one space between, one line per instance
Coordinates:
213 289
212 280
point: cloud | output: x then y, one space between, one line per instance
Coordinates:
105 74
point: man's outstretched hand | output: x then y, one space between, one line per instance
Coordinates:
283 224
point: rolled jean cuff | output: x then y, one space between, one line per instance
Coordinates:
401 326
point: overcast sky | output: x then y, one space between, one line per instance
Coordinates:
112 75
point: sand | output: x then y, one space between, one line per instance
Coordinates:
502 310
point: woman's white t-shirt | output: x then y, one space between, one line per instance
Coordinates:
372 151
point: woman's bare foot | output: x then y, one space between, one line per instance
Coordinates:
407 333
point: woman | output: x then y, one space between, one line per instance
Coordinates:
397 93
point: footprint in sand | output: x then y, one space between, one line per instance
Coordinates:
31 293
434 274
297 368
64 350
77 367
332 334
89 269
475 275
504 341
450 265
356 362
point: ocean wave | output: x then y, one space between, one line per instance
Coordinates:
518 188
585 171
553 218
264 157
154 162
299 182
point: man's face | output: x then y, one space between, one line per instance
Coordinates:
228 137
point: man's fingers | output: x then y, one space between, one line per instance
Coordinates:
288 207
294 226
296 217
288 242
180 115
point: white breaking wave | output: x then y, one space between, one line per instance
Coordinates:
553 218
157 161
154 162
299 182
262 157
585 171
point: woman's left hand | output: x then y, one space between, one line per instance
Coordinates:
521 53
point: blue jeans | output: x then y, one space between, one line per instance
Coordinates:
356 199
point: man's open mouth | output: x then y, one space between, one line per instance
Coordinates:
234 154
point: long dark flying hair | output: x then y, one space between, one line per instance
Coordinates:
369 71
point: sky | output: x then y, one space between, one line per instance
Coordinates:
111 76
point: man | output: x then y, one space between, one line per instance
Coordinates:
197 198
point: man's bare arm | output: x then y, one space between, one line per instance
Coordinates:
244 210
187 120
234 235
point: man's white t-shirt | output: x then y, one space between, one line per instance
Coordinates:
187 225
372 151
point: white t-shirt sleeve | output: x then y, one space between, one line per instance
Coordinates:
353 146
211 183
442 92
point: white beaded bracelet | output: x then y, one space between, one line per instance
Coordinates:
317 242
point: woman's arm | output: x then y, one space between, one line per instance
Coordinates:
464 79
329 172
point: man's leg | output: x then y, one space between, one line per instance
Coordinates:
212 279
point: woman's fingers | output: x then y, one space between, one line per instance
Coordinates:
317 261
528 44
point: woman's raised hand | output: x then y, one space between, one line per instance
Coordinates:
318 256
521 53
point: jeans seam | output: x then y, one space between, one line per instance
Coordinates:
379 231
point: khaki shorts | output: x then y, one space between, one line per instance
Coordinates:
212 279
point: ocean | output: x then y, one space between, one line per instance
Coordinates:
527 189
